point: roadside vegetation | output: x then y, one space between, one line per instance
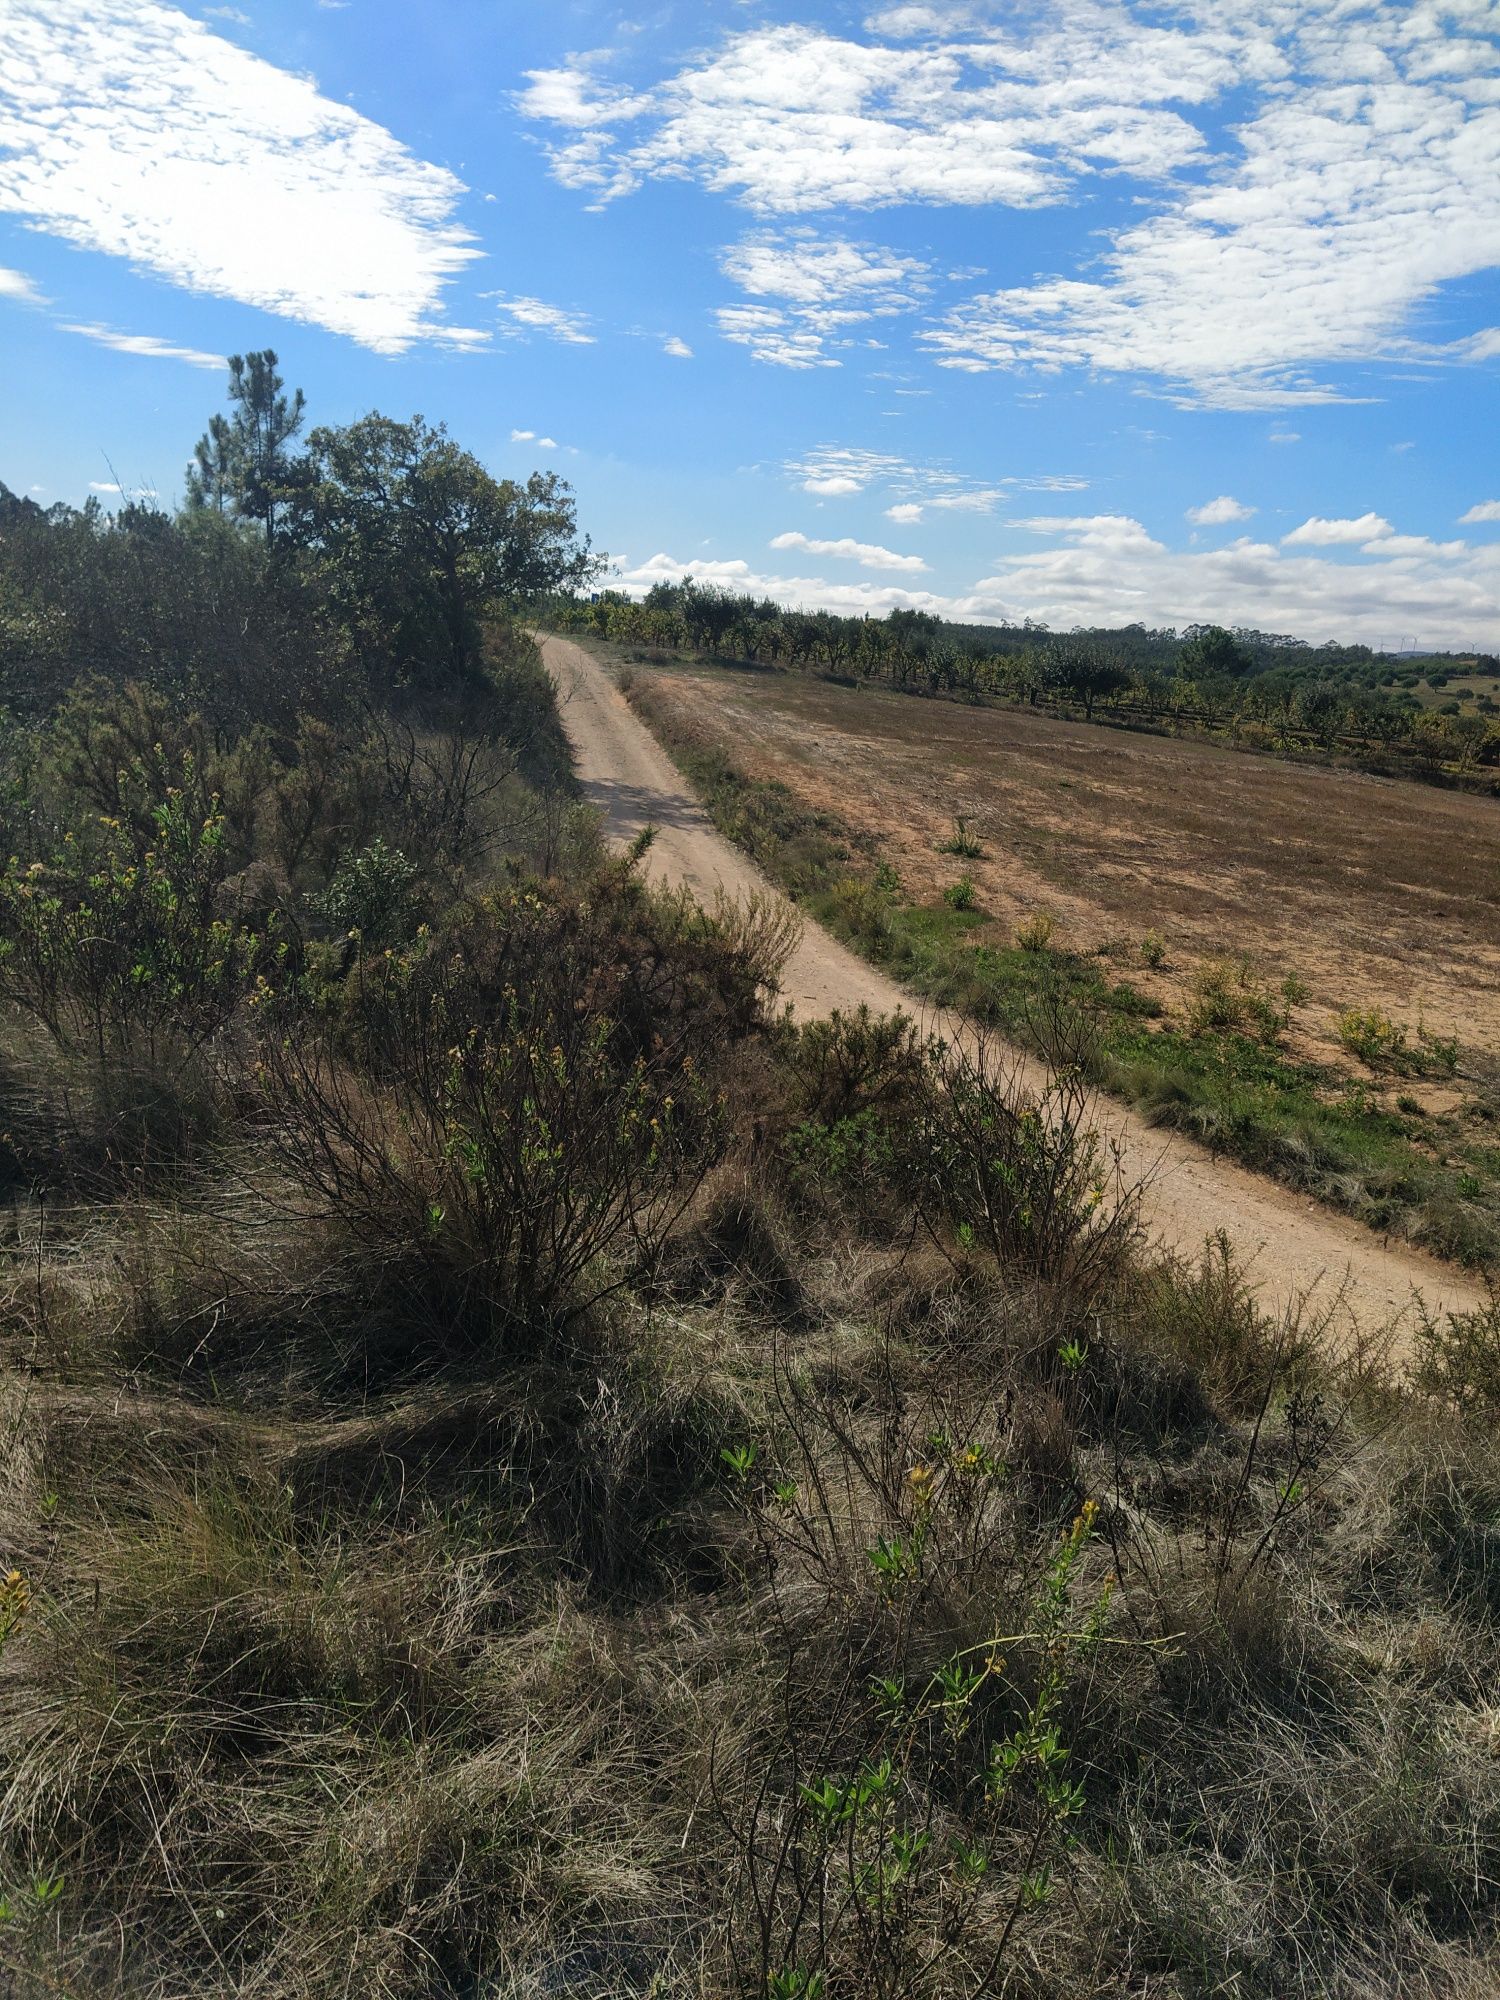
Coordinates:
1221 1067
1436 720
521 1473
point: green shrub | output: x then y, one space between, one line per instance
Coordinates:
1373 1036
961 895
1020 1173
861 912
1035 933
119 954
371 894
521 1103
1153 950
1226 995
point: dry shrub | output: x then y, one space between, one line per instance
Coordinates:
1022 1173
1206 1318
523 1105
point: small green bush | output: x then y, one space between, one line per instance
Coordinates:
1153 950
1373 1036
961 895
372 893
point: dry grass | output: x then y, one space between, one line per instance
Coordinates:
509 1681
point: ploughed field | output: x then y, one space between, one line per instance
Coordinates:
1298 963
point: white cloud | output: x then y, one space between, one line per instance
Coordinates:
869 555
1358 182
677 347
1361 184
1284 437
905 514
839 469
1412 545
132 129
17 286
1107 570
104 486
806 592
146 344
825 284
522 437
1485 510
774 336
834 470
536 316
794 120
1318 533
1216 513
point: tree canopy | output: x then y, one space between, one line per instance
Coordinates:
416 538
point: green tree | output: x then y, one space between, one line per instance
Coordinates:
419 541
1210 649
241 464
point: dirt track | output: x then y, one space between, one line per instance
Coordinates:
1293 1247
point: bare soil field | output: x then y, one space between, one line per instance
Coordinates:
1370 891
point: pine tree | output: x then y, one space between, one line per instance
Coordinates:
241 462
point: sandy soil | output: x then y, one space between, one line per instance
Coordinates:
1293 1248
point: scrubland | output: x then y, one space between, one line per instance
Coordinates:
523 1474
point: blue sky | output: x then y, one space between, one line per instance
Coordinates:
1082 311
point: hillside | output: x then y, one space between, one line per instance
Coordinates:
527 1472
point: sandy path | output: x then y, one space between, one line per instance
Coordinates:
1291 1246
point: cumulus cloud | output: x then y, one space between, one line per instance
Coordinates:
677 347
1215 513
774 336
869 555
17 286
811 593
147 345
1358 183
1318 533
528 316
905 513
1485 510
838 470
1107 569
132 129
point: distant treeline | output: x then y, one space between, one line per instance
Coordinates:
1268 690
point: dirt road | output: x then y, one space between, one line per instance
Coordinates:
1292 1247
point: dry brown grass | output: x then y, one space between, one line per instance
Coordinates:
507 1681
